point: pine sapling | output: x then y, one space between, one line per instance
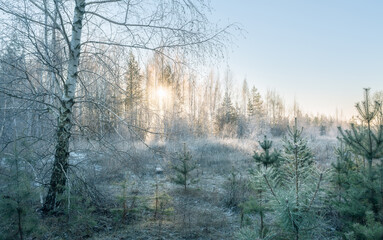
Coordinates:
266 158
366 141
161 206
363 140
183 168
259 204
296 197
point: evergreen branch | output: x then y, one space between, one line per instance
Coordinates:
316 191
272 191
290 216
354 140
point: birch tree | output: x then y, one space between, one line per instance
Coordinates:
83 31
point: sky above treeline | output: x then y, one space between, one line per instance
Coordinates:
322 53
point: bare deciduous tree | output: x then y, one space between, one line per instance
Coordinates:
65 36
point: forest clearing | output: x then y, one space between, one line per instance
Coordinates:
125 119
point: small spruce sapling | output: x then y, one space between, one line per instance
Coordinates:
130 202
297 198
161 206
17 218
234 189
183 168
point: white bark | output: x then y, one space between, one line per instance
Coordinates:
60 166
74 54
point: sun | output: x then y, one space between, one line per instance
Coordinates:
161 93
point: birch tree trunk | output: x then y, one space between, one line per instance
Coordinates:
60 165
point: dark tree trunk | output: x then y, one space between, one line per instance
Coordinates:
60 165
19 223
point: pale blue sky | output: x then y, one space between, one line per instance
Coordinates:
322 52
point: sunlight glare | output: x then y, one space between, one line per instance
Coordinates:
161 93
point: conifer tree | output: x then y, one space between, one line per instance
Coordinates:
297 198
134 97
257 101
259 204
341 172
364 140
234 190
17 218
371 230
348 192
183 169
378 97
256 104
133 77
245 94
266 158
227 113
362 193
256 114
296 151
250 107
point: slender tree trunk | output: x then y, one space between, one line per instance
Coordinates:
296 176
60 165
296 191
381 181
19 224
185 183
296 227
18 191
370 151
261 214
372 192
4 118
157 202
